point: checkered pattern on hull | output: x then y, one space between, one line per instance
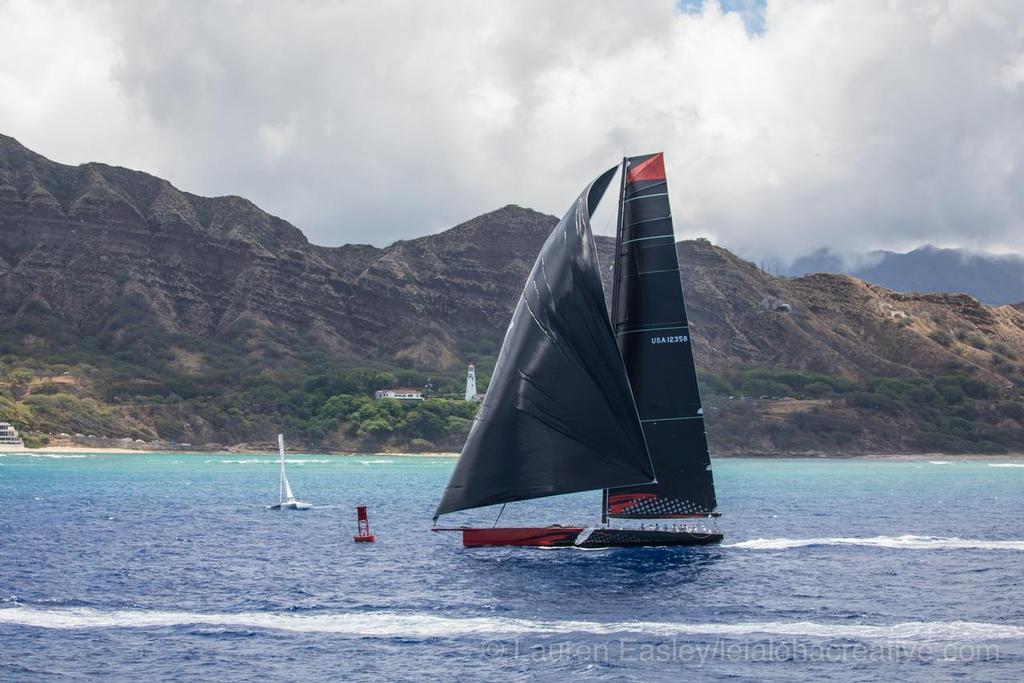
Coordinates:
605 538
644 506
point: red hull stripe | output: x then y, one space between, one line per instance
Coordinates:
652 169
542 536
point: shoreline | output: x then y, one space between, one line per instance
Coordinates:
908 457
896 457
97 450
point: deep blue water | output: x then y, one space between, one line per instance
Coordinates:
156 567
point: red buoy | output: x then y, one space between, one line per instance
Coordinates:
363 534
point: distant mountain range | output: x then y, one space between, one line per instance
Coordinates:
993 278
127 305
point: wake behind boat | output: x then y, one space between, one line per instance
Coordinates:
579 401
287 501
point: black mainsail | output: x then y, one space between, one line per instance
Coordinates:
558 416
649 318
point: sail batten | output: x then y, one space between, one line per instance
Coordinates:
652 331
558 416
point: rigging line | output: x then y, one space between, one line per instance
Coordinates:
645 196
649 220
499 515
652 329
651 272
660 182
652 237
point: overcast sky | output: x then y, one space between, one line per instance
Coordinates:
788 125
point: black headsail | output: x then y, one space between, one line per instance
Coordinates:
558 416
650 323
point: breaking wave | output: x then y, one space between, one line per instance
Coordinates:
422 625
899 542
1006 464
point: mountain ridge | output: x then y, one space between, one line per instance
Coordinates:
995 279
202 301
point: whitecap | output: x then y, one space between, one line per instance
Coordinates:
426 625
236 462
1006 464
267 461
939 462
906 542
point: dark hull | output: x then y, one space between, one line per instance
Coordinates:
576 537
635 538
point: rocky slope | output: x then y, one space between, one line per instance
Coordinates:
91 246
838 324
76 240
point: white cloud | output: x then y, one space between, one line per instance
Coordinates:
852 124
58 92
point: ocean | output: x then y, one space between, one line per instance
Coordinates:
170 567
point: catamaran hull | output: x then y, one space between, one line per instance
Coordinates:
577 537
293 505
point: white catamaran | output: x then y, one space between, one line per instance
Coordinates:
288 501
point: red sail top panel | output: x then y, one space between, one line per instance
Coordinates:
653 168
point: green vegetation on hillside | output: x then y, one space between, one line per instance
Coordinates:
806 411
127 378
130 379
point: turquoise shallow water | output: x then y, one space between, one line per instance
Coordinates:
168 566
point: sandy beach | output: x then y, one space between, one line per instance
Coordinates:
404 454
139 451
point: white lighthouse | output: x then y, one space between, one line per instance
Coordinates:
471 384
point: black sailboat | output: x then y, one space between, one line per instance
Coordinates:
579 402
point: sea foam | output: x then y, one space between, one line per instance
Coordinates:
267 461
906 542
423 625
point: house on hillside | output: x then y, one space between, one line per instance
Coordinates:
775 304
9 437
399 393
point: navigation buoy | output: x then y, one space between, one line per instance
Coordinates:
363 534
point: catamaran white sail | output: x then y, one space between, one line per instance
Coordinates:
288 501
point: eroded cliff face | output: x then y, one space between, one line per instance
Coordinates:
78 240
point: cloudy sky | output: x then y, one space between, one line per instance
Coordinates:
788 125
